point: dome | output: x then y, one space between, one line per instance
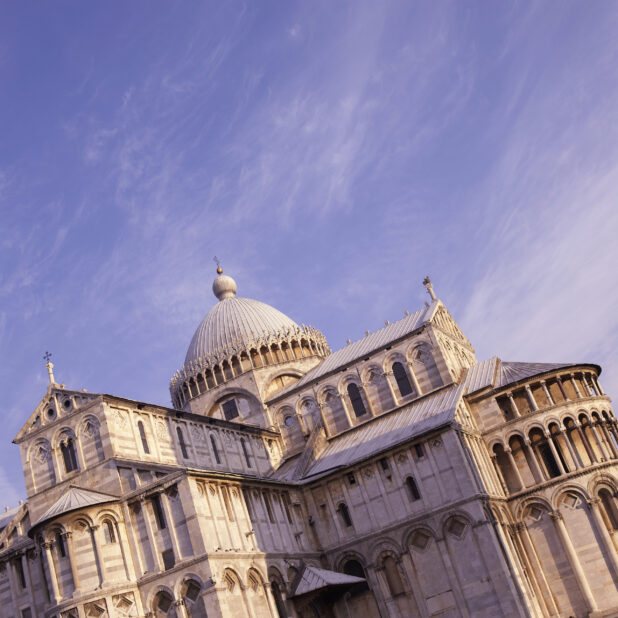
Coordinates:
234 324
231 338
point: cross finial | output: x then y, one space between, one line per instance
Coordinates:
50 367
218 263
429 287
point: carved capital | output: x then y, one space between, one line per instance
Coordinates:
556 515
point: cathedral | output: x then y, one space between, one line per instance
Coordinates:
395 477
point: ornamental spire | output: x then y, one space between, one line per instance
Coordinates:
49 366
429 288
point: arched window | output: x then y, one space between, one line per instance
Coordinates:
356 400
245 451
142 435
281 610
194 603
353 567
345 514
109 532
393 577
162 603
413 491
68 455
215 450
60 548
609 506
401 377
181 441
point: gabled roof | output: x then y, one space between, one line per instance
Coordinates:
497 373
367 345
75 498
315 579
384 432
7 516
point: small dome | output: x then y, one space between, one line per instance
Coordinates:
224 287
236 323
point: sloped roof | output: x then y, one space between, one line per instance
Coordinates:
366 345
386 431
497 373
7 516
74 498
316 579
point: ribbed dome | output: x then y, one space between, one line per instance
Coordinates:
236 323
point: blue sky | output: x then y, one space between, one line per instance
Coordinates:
332 154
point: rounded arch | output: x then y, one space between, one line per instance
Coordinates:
419 536
161 601
90 420
497 441
515 433
602 480
348 555
561 492
62 433
327 391
535 424
533 501
346 380
446 518
386 545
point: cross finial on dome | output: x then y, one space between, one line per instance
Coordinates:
49 366
218 263
223 286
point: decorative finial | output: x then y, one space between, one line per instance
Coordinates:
216 261
50 367
429 288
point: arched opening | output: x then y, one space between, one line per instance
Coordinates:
393 577
559 441
344 513
194 603
108 532
401 377
163 605
592 445
227 370
356 400
236 368
542 450
578 447
610 510
506 469
142 435
201 385
69 457
413 492
210 380
354 568
279 602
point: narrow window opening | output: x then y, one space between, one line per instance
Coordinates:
401 377
418 448
158 512
269 508
351 478
109 532
68 455
20 571
384 464
227 502
345 515
245 452
413 491
356 400
181 442
215 450
168 559
60 545
142 435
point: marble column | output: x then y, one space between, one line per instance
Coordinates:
158 560
536 471
68 536
554 451
518 476
531 398
550 399
578 571
513 405
171 526
608 544
53 578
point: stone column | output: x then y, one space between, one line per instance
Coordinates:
25 562
608 439
171 525
537 568
561 387
587 447
158 560
531 398
609 547
554 451
124 550
572 450
68 536
97 557
181 612
520 480
535 463
513 405
53 579
135 550
415 384
596 382
600 444
550 400
503 483
574 383
10 566
573 558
